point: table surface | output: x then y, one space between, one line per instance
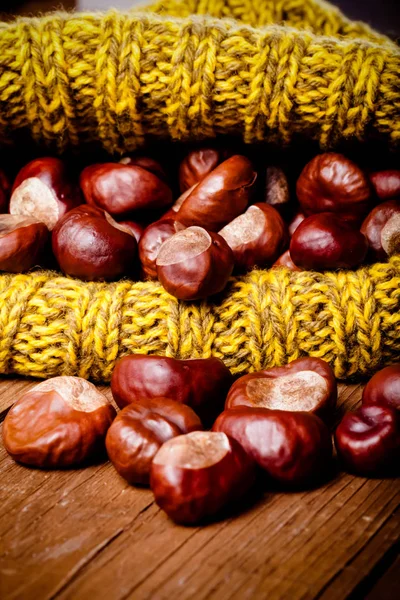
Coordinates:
86 533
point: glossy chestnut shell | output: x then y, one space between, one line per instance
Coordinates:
139 431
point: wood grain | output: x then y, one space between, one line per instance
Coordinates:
85 532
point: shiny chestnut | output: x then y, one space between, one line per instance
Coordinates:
256 237
146 162
124 189
331 182
285 260
140 430
292 447
194 476
368 440
295 222
306 384
325 241
198 164
136 229
45 190
90 245
384 388
221 196
200 383
5 188
152 239
58 423
22 240
194 264
386 184
382 230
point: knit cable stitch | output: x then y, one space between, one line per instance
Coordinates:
116 78
266 70
52 325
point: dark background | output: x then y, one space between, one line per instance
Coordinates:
384 15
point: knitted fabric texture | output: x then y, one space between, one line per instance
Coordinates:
266 70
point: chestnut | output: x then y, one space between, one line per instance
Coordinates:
201 383
382 230
22 240
140 430
198 164
92 246
277 189
285 260
45 190
295 222
194 476
123 189
146 162
325 241
292 447
306 384
4 191
384 388
172 212
221 196
386 183
331 182
256 237
152 239
136 229
194 264
58 423
368 440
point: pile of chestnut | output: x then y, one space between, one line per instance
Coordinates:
123 219
201 439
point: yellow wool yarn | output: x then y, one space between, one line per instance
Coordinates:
118 78
267 70
52 325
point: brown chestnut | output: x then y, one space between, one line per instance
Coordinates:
384 388
277 189
22 240
382 230
256 237
324 241
44 190
152 239
92 246
198 164
221 196
331 182
140 430
58 423
368 440
136 229
306 384
5 188
194 264
295 222
285 260
292 447
146 162
194 476
200 383
172 212
386 184
123 189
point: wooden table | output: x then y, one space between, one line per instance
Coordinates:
86 534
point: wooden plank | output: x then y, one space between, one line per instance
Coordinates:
74 534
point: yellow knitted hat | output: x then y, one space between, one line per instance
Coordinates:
190 69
